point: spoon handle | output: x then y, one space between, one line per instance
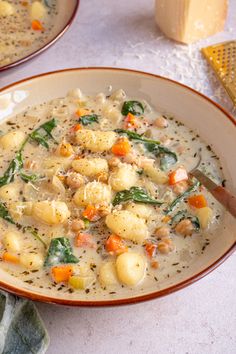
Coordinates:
221 194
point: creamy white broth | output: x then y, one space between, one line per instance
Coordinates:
68 112
25 26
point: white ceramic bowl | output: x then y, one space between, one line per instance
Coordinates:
208 119
67 11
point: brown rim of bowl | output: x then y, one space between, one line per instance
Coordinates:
47 45
128 301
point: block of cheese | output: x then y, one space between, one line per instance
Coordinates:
187 21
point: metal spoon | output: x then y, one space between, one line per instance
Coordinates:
220 193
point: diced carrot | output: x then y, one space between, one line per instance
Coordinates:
62 178
115 245
91 213
61 273
166 219
37 25
150 249
131 121
197 201
121 148
76 127
66 149
84 240
178 175
155 264
8 257
82 112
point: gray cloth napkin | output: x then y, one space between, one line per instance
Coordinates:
21 328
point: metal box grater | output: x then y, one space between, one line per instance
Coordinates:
222 58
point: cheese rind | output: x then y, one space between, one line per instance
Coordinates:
187 21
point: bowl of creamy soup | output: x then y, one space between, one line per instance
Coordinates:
97 206
31 26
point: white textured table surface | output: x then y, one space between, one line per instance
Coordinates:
199 319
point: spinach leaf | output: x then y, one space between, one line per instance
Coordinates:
60 251
133 107
167 157
22 330
168 160
40 135
135 136
183 214
29 178
140 171
136 194
182 197
14 167
47 2
89 119
4 214
33 231
43 133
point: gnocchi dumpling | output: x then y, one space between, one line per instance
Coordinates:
58 186
127 225
107 274
50 212
93 193
18 209
12 241
32 260
90 166
113 114
130 268
12 140
37 11
10 192
141 210
6 9
156 175
124 177
96 140
55 163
